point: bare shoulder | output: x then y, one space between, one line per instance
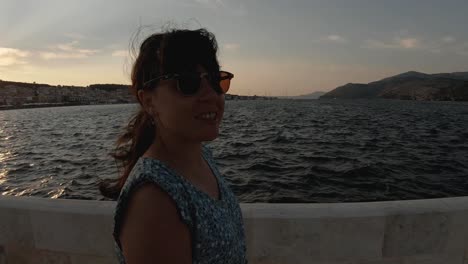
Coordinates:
152 230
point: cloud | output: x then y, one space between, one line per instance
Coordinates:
448 39
67 46
335 38
74 35
396 43
120 53
67 51
447 44
452 45
234 8
211 2
10 56
62 55
332 38
231 46
408 43
377 44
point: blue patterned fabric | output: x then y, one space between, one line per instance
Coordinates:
216 226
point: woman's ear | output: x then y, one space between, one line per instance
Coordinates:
145 99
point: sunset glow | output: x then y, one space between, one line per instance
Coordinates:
273 48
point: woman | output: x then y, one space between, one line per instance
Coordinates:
173 204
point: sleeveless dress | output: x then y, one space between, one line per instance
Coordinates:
216 226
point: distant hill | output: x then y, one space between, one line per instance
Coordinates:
410 85
22 84
314 95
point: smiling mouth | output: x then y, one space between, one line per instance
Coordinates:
209 116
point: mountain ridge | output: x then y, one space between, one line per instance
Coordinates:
411 85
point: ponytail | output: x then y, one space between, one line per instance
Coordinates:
130 146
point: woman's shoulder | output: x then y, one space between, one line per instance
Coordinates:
150 171
147 169
142 169
145 173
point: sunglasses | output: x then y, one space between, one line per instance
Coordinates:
189 83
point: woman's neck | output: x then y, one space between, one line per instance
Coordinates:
180 155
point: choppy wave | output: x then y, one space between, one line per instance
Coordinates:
269 151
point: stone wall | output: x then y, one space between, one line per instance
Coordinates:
38 230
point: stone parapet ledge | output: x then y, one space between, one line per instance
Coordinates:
40 230
410 232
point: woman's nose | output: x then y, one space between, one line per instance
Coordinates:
207 88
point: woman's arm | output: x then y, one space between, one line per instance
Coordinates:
152 230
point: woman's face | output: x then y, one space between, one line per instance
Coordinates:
179 115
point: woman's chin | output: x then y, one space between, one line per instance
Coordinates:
209 135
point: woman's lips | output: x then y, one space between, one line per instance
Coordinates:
213 121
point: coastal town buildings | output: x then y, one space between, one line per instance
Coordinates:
16 94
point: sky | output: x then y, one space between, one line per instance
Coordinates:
274 48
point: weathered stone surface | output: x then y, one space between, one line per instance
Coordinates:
73 233
37 230
19 255
457 241
314 239
15 227
80 259
420 259
248 226
382 261
2 255
466 255
434 259
407 235
292 259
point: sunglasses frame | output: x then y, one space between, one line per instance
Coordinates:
175 76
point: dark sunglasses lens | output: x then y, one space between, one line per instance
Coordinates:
189 85
215 80
220 82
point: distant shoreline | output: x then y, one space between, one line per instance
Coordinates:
11 107
44 105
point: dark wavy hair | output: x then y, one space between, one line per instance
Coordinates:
172 51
